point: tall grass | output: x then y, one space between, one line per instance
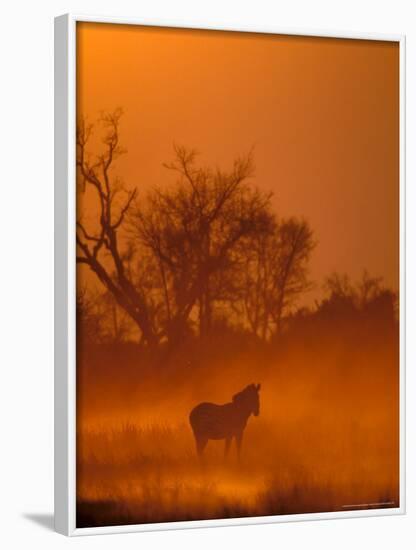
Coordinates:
327 438
150 474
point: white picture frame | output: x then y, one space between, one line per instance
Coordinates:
65 367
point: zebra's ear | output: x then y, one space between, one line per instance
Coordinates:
258 387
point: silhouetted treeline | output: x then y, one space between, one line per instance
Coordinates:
358 319
206 256
186 257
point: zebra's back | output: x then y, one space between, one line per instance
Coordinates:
211 421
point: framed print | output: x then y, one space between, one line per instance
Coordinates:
229 275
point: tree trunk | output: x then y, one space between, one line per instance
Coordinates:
128 300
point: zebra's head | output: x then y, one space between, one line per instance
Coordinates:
249 398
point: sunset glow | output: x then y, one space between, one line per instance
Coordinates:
238 224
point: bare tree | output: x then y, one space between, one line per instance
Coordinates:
193 230
187 244
295 245
100 249
276 274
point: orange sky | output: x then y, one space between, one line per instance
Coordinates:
323 115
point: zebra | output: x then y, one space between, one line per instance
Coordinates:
211 421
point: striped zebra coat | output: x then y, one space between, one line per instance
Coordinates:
211 421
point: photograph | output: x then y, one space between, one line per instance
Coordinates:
237 274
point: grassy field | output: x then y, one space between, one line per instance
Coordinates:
150 474
326 439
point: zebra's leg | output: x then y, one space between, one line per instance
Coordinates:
239 441
227 446
201 443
